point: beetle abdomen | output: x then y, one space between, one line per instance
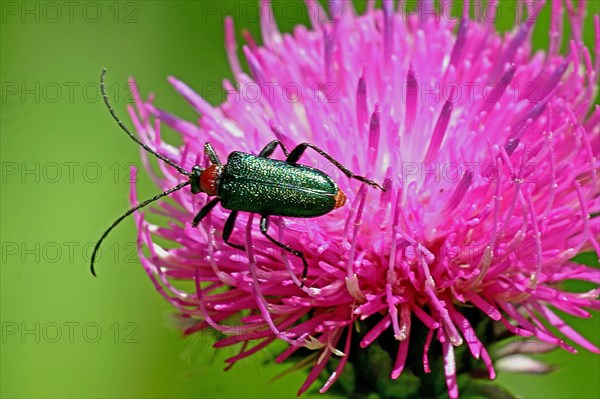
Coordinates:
267 186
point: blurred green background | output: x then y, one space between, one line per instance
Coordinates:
65 178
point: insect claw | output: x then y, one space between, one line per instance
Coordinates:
374 184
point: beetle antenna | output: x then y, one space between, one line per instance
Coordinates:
134 137
129 212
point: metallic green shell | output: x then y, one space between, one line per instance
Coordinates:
271 187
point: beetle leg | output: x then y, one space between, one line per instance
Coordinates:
270 148
204 211
211 154
228 229
300 148
264 227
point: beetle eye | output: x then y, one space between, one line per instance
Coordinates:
195 179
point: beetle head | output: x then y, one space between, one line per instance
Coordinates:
195 179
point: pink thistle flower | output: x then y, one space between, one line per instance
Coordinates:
489 154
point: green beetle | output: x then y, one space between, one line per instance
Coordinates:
253 183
